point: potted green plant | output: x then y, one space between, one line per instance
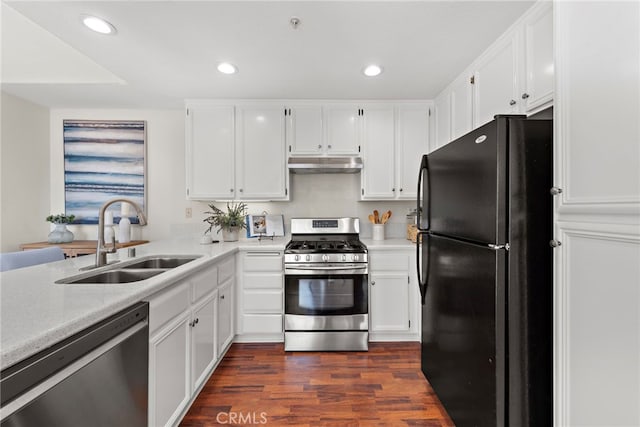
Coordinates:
230 222
60 233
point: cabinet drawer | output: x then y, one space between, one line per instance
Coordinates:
204 282
166 305
262 323
226 270
388 261
262 281
262 302
262 261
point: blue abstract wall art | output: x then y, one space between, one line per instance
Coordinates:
103 160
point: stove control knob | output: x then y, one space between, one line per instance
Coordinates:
355 257
344 257
308 258
297 257
325 258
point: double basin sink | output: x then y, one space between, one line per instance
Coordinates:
131 271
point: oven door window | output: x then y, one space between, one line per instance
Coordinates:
326 295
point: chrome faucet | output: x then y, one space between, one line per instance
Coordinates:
102 250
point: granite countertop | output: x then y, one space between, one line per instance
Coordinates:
35 312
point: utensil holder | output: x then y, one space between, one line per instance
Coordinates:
378 231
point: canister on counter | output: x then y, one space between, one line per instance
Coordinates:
412 228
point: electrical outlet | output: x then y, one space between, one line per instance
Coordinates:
188 213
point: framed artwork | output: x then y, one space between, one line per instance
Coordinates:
103 160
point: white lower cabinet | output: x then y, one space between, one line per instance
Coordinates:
225 315
260 293
203 339
394 303
188 333
389 302
169 388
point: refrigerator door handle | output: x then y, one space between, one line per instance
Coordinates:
421 284
423 167
498 247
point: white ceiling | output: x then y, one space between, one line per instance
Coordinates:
165 52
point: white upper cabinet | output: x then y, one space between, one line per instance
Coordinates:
539 66
513 76
304 130
235 152
379 151
412 141
210 151
496 81
442 108
461 106
394 139
342 129
261 168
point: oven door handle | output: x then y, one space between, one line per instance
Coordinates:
345 269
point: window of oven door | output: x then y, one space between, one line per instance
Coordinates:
326 295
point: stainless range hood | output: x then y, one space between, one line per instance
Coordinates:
325 164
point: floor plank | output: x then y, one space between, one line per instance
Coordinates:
261 384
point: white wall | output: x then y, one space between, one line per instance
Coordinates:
24 173
311 195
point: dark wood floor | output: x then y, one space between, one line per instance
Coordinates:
261 384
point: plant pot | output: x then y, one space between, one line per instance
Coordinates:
60 234
230 235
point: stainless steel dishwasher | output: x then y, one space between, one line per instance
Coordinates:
97 377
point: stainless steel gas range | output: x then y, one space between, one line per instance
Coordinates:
326 291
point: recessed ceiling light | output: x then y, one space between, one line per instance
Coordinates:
98 25
372 70
227 68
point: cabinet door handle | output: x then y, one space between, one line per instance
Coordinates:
525 95
231 190
512 102
329 146
221 296
319 146
241 190
401 190
373 283
393 190
263 254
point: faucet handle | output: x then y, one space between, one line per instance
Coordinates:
113 245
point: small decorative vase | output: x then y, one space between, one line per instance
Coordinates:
230 235
60 234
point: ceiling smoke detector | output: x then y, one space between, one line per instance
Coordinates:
295 22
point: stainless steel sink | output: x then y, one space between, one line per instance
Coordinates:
160 262
131 271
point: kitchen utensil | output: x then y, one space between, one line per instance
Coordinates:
372 219
388 215
376 216
385 217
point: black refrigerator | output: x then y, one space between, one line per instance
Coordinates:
485 273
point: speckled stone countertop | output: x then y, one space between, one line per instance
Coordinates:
35 312
389 244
